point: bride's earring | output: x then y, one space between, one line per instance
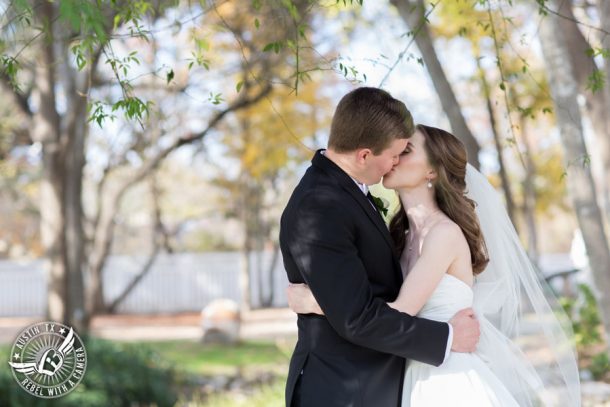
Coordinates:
429 184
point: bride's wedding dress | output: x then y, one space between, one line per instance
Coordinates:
464 378
506 294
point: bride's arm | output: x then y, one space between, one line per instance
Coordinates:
301 300
439 250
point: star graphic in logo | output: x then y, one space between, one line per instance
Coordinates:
62 331
16 356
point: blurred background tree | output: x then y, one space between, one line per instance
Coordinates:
149 127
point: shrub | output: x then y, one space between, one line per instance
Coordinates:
600 366
585 318
117 375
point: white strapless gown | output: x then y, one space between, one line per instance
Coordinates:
463 379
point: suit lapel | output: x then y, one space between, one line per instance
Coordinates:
348 184
370 211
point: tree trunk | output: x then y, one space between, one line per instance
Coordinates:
245 210
260 273
271 275
413 14
45 129
598 103
74 161
245 201
564 89
259 240
63 141
74 132
604 13
529 195
244 277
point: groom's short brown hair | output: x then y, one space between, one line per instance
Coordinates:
369 118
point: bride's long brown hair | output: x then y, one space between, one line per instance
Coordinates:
448 157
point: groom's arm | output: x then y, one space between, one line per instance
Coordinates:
321 244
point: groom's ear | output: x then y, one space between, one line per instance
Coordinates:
362 155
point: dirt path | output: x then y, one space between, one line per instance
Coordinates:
258 324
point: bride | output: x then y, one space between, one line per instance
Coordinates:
458 248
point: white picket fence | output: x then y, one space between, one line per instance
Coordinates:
176 283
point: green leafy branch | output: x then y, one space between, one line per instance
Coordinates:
198 56
596 81
132 106
503 79
582 161
347 71
10 68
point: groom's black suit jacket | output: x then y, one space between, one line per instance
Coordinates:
333 239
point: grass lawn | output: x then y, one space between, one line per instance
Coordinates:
266 396
248 358
196 358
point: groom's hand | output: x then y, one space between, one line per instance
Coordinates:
466 331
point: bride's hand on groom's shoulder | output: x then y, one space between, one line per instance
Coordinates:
466 331
301 299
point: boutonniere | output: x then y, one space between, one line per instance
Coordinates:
381 204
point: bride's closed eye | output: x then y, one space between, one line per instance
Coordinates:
407 149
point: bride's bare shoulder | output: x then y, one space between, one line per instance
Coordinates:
446 233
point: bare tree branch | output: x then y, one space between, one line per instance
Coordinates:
239 104
159 239
570 17
104 232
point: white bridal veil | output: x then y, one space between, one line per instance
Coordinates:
525 336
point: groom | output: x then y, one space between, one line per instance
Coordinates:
333 239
